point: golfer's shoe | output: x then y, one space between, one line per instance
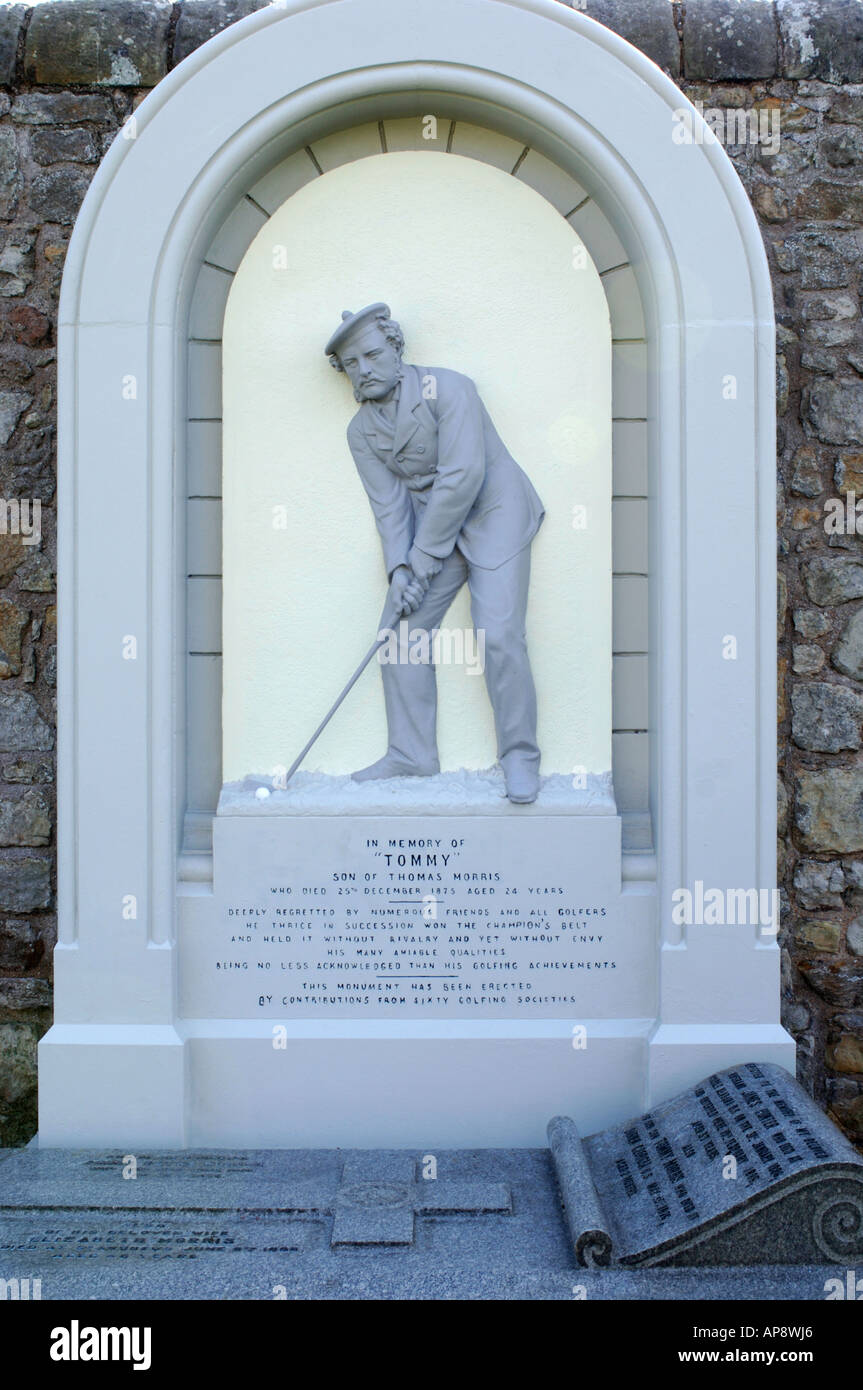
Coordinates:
522 782
391 766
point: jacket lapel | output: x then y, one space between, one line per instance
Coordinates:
409 402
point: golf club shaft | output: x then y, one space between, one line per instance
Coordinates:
375 647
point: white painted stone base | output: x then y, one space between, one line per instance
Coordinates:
104 1085
682 1054
439 1084
218 1084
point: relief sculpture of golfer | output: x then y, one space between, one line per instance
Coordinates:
451 505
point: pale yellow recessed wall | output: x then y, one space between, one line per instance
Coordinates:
487 278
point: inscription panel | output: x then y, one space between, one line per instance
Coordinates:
155 1236
437 917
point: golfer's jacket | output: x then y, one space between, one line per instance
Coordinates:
442 476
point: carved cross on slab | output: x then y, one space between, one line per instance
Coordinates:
379 1197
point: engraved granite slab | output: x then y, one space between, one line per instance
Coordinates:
740 1170
461 1248
444 1224
198 1201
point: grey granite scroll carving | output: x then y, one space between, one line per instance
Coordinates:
743 1169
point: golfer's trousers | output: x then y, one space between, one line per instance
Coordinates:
498 607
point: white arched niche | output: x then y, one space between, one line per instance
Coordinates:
487 279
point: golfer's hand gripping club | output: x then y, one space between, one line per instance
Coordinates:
406 592
405 595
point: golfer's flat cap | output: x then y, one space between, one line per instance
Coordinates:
351 322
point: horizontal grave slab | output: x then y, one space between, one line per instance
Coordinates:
111 1206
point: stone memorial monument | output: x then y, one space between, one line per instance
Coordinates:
252 960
